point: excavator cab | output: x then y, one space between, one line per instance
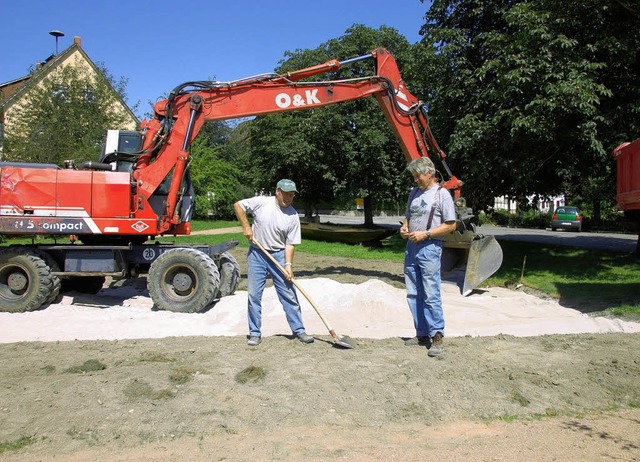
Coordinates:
122 149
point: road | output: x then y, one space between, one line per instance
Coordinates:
603 241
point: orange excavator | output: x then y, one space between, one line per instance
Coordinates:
141 189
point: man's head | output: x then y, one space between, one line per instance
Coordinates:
286 185
423 172
421 165
285 192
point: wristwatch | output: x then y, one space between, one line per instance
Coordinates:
429 234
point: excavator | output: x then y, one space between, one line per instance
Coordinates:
113 209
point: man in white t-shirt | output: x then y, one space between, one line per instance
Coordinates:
276 226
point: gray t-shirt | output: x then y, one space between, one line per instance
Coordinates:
419 208
273 226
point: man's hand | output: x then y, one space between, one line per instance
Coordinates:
288 272
248 233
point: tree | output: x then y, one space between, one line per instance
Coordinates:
343 150
66 117
217 181
521 93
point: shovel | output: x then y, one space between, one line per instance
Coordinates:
344 341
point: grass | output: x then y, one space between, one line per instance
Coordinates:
91 365
16 445
251 374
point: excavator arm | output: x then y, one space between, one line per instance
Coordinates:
180 117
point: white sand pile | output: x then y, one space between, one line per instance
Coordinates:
372 309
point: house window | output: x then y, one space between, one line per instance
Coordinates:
88 96
59 92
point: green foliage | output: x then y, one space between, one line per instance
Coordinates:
526 219
17 444
531 96
217 183
66 117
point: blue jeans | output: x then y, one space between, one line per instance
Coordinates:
422 279
258 268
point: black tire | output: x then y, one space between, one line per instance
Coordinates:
229 275
183 280
25 280
56 282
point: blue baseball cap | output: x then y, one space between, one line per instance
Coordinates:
286 185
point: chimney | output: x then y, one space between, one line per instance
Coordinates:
77 41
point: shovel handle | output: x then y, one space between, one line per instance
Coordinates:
315 307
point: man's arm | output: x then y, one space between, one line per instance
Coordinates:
289 252
244 221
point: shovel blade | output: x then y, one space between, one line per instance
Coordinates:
469 259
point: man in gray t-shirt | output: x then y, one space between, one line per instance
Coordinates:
276 227
429 216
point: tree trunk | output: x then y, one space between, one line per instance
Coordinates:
596 212
637 252
368 212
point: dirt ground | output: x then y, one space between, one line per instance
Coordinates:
552 397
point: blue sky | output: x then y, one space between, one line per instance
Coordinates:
159 44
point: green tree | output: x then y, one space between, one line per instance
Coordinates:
523 92
217 182
66 117
343 150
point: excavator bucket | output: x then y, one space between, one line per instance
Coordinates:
468 259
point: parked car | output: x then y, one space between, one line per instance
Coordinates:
566 217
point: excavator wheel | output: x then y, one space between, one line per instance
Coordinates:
183 280
25 280
56 282
229 275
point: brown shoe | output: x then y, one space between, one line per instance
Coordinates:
437 346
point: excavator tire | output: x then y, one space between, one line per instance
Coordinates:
183 280
25 280
229 275
56 282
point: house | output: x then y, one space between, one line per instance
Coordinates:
544 204
15 94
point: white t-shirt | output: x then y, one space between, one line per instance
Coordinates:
273 226
419 208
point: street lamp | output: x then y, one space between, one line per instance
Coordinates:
57 34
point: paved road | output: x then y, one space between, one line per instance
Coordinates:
605 241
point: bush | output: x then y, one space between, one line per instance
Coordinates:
528 219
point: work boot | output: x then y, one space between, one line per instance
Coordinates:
437 346
418 341
254 340
304 338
